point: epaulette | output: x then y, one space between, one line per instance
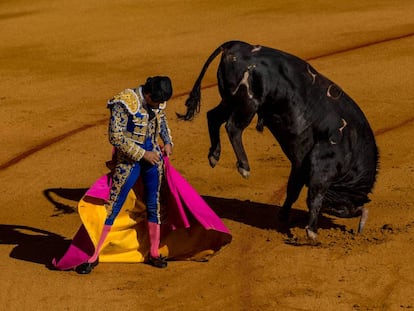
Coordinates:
128 98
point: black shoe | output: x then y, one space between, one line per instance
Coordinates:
159 262
86 267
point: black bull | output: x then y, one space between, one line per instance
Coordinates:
321 130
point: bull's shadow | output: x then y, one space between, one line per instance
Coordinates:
59 198
32 244
264 216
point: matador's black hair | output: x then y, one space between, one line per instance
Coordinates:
159 87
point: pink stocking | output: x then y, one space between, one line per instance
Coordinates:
154 238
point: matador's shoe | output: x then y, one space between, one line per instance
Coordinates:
159 262
87 267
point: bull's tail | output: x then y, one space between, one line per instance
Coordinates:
193 101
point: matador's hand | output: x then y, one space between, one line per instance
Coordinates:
168 150
151 157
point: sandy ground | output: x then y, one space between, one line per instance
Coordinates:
61 60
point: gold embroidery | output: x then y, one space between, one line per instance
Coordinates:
129 99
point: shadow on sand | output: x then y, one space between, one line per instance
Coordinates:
40 246
55 196
32 244
264 216
37 245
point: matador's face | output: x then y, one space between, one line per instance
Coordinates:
150 102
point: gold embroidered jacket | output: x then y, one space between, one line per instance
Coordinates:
130 127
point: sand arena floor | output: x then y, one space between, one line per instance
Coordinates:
61 60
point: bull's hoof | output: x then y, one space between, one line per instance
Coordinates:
245 173
293 240
213 161
363 219
312 236
301 241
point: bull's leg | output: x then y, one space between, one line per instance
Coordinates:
235 125
316 194
215 118
295 184
323 169
235 135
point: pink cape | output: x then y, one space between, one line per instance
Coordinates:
204 233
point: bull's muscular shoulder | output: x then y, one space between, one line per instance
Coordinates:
128 98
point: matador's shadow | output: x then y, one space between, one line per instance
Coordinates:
37 245
32 244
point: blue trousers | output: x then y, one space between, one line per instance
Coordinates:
124 178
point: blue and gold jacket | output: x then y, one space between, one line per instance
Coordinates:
130 126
